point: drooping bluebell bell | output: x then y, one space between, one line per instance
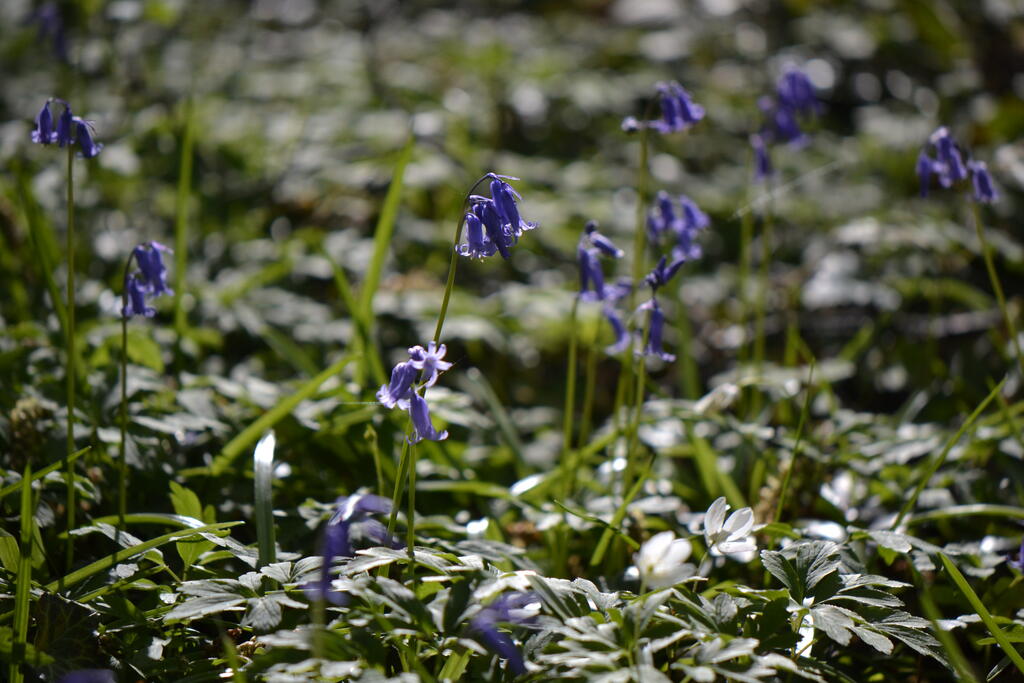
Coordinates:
591 276
780 123
430 361
422 427
1016 559
692 222
88 676
65 127
948 156
87 146
352 520
402 391
44 134
662 218
603 244
477 244
984 190
399 389
504 198
796 92
678 110
762 160
493 226
663 272
924 169
517 608
619 329
149 281
654 334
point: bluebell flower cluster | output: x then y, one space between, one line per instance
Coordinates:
656 279
493 224
678 111
403 391
69 130
352 520
947 165
794 99
147 282
685 225
508 608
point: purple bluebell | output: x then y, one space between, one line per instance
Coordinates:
88 676
984 190
65 127
398 391
663 272
678 111
504 197
149 257
925 168
135 297
421 424
1016 560
619 329
663 217
495 229
603 244
352 519
429 360
796 92
781 124
477 244
508 608
591 277
693 221
44 134
952 165
654 334
762 161
87 146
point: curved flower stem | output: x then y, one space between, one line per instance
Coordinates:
638 407
588 388
122 477
411 530
71 369
986 252
450 284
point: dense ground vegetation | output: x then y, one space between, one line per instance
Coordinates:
791 450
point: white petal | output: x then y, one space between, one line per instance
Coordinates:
678 552
715 516
732 547
740 522
654 549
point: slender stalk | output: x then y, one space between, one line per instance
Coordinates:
796 447
743 277
638 407
997 287
71 369
762 290
411 526
588 388
122 466
181 224
568 469
23 586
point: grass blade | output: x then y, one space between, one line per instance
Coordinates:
52 467
263 476
24 578
982 612
181 218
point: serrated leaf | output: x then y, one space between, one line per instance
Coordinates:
874 639
836 622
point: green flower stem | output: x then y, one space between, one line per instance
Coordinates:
633 435
410 534
588 387
568 461
23 587
743 276
181 224
997 287
71 369
796 447
688 375
122 466
761 301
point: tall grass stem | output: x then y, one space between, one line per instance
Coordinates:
997 287
71 367
181 223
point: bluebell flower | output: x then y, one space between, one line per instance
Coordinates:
515 608
44 134
591 277
951 164
678 111
422 427
149 257
984 190
780 123
925 168
619 329
796 92
399 390
654 334
693 221
352 519
477 244
135 298
603 244
83 133
65 127
504 197
488 214
762 161
662 218
663 272
429 360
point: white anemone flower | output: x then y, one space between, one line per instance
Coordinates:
661 561
728 536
